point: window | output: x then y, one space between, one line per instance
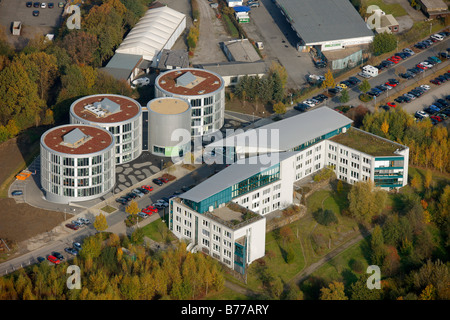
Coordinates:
196 112
126 127
196 102
208 100
68 162
83 162
205 232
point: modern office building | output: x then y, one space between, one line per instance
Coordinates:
323 137
118 114
77 163
224 215
205 90
169 126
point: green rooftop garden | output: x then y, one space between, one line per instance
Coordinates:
367 143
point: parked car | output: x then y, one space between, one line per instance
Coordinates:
36 4
58 255
147 187
50 5
436 81
143 215
158 182
391 104
408 50
164 180
140 82
60 4
29 4
443 102
425 87
53 259
40 259
77 245
17 193
149 210
122 200
35 13
138 193
71 251
43 5
72 226
421 114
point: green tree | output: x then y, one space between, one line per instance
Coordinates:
344 97
364 86
364 201
383 42
360 291
377 246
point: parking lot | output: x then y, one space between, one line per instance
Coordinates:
32 26
267 24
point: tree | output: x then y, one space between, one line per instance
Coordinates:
81 46
334 291
360 291
364 201
385 128
428 179
100 223
19 98
279 108
383 42
329 80
286 235
377 246
345 97
132 208
364 86
281 71
42 69
339 186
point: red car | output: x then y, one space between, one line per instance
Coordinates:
421 67
437 118
436 81
147 187
149 210
391 84
72 226
392 59
165 180
391 104
53 259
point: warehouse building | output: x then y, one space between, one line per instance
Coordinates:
326 24
168 119
77 163
205 91
141 49
118 114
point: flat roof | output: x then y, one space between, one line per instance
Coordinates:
168 105
236 68
325 20
235 173
129 108
368 143
97 139
242 50
206 82
292 132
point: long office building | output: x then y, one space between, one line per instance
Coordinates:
323 138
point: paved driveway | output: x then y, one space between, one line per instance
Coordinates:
16 10
267 24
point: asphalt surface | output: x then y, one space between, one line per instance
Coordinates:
267 24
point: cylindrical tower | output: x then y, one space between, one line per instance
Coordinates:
119 115
77 163
169 123
205 90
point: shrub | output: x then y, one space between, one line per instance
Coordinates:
326 217
356 265
365 97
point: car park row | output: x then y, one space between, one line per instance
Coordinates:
56 257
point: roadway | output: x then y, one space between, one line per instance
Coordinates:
115 220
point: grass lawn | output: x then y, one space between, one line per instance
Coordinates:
395 9
109 209
226 294
158 231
